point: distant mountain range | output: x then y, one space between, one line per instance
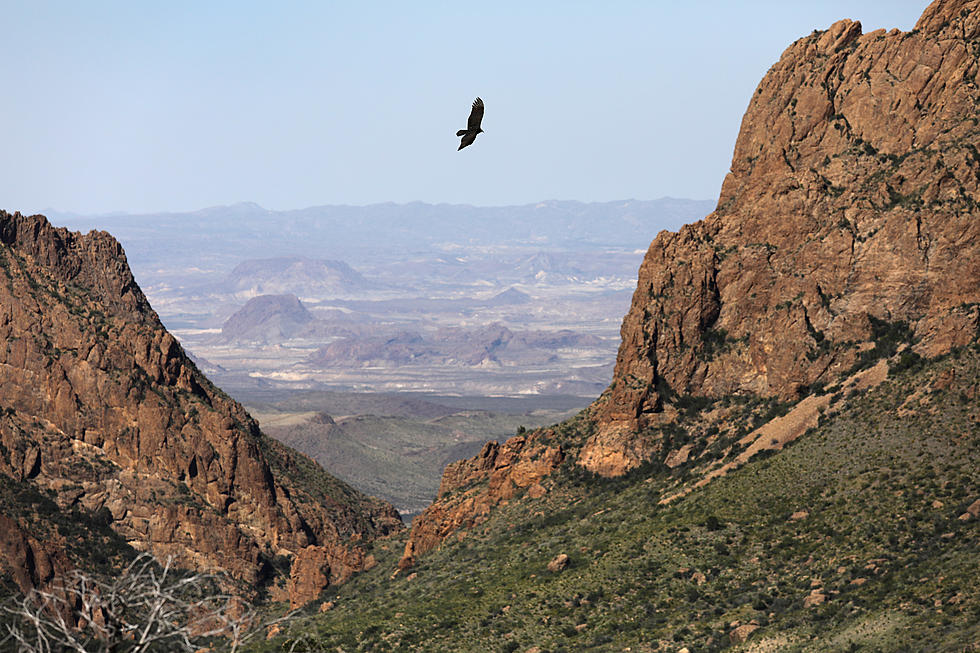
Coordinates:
230 234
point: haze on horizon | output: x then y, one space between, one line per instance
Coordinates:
119 106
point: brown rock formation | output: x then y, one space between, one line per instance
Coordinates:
741 634
851 214
852 195
559 563
100 404
31 563
464 502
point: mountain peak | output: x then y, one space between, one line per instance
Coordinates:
847 230
956 18
103 407
851 201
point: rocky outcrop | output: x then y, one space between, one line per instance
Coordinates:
848 227
31 563
101 406
471 488
559 563
852 198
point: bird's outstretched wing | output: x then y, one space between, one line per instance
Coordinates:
468 138
476 116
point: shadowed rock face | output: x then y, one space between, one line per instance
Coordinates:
852 202
102 406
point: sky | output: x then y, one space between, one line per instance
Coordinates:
174 106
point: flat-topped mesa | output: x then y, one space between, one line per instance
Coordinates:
851 213
103 407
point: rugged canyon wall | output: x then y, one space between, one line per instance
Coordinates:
100 406
852 197
851 211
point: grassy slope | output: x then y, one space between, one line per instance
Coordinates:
399 458
882 542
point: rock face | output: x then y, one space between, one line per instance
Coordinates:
100 405
31 563
852 197
509 468
851 214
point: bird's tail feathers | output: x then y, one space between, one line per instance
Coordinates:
461 132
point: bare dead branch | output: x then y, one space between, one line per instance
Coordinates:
148 607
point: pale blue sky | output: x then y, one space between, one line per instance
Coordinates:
140 106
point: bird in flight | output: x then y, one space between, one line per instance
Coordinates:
472 126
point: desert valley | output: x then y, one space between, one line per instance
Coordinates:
341 432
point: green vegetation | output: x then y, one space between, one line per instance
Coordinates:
398 457
717 342
888 337
849 539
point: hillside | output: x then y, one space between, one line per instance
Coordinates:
103 411
786 458
396 451
844 235
861 535
850 208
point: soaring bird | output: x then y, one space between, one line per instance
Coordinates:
472 126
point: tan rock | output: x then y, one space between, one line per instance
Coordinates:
559 563
973 511
536 491
741 634
814 598
679 457
309 575
273 631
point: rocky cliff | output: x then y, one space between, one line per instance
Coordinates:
100 406
849 220
852 197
